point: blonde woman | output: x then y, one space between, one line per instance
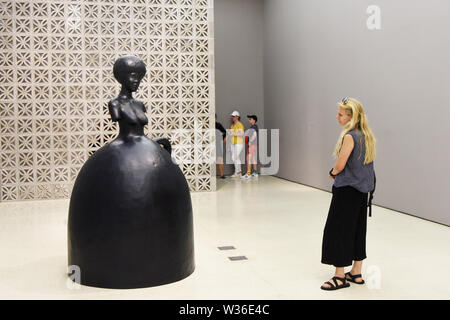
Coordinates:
344 237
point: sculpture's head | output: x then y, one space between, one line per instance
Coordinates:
129 71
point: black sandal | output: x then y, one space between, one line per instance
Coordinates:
336 286
353 277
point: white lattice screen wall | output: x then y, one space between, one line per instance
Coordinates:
56 79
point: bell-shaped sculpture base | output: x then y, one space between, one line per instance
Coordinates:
130 218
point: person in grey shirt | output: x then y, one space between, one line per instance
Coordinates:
344 236
251 138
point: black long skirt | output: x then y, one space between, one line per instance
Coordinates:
344 236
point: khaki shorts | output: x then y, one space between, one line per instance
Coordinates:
252 149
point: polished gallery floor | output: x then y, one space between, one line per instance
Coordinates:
275 224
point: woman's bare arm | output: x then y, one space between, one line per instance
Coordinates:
346 149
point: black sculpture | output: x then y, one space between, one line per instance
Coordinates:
130 217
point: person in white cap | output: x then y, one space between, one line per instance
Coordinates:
237 142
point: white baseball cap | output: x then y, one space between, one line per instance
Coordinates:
235 113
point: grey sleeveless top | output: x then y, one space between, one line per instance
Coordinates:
357 174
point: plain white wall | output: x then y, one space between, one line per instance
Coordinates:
318 51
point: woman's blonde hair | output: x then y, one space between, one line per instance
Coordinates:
354 108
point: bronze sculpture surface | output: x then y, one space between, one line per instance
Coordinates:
130 216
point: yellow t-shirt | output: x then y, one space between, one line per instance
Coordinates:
234 129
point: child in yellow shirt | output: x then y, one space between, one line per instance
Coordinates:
237 142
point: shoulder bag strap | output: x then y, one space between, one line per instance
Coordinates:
371 194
